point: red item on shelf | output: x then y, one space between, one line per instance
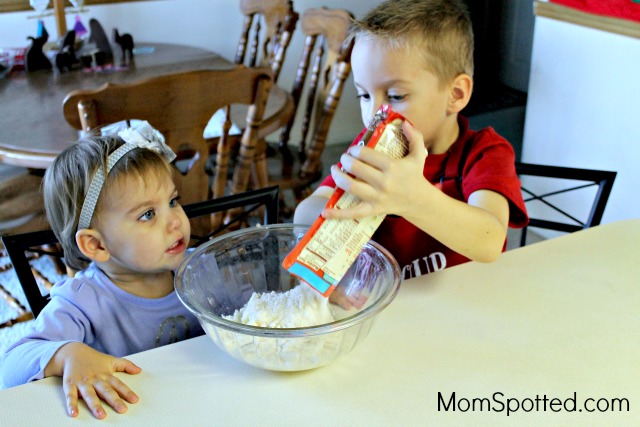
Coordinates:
624 9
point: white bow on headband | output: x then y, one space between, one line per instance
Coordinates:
141 135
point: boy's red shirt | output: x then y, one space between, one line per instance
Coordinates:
489 164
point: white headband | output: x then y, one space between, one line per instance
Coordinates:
142 135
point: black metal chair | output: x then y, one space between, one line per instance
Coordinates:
565 180
21 247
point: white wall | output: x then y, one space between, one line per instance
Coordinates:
209 24
582 108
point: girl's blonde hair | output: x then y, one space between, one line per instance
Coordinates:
68 178
440 29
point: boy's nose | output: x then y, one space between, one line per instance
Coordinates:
368 115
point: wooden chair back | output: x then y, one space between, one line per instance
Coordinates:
323 68
22 203
22 247
266 47
266 33
547 192
180 106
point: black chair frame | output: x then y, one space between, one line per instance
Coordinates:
19 244
588 178
251 200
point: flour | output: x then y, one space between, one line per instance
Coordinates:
297 308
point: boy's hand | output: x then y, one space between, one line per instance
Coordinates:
339 297
88 374
383 185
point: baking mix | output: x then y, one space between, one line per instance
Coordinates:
330 246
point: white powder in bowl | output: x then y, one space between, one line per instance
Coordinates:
299 307
296 308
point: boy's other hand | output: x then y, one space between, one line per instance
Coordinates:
384 185
339 297
89 374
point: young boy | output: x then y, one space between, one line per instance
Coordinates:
452 198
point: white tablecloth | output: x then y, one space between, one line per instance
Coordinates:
554 320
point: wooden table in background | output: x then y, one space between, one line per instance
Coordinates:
32 127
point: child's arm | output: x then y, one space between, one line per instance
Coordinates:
310 208
476 230
87 373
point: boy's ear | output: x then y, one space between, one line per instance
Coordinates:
91 245
460 94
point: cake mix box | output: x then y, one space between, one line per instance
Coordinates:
330 246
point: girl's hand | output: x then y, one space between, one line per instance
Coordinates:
88 374
383 185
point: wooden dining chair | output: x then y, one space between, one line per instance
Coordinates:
21 202
179 106
21 211
322 71
563 199
266 33
265 47
24 248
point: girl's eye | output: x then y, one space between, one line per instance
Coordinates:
174 202
363 96
396 98
147 216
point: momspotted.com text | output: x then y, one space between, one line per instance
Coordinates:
498 402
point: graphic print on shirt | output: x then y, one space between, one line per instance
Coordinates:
431 263
172 329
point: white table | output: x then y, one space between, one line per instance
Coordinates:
554 318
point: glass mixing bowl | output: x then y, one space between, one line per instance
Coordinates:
220 276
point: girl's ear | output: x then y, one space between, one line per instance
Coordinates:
91 245
460 93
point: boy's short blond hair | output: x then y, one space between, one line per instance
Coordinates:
67 181
440 29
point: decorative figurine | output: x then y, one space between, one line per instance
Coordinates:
41 29
79 28
36 59
66 56
4 70
101 41
86 61
126 44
